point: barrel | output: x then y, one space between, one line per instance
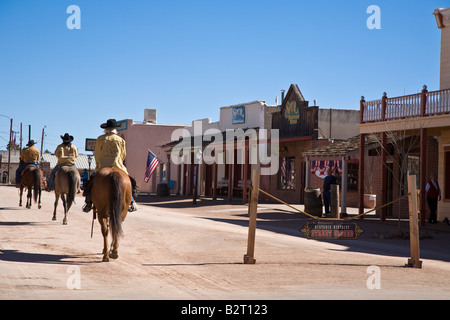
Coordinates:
313 202
162 190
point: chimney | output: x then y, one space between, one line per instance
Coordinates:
282 96
149 115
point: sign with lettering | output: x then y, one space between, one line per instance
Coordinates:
238 115
291 112
90 144
332 230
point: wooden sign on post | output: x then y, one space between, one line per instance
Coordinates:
332 230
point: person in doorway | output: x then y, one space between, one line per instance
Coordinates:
433 194
327 182
28 156
66 153
110 151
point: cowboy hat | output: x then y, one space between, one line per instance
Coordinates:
67 138
110 123
31 143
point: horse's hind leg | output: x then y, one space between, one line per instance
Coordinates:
114 254
63 198
21 193
39 201
104 225
29 197
55 205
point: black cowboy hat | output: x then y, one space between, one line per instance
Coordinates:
31 143
67 138
110 123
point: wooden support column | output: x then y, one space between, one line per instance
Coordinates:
362 141
423 175
230 181
344 187
383 212
214 180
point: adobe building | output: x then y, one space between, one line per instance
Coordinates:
141 137
414 137
226 175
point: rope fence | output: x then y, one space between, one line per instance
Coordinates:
332 219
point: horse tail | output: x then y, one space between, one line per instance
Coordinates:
72 188
116 200
36 183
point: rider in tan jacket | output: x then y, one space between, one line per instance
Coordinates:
110 151
66 153
28 156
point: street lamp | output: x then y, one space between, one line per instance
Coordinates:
89 162
197 160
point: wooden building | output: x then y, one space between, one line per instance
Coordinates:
303 128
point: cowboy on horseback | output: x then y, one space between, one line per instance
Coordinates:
66 153
28 156
110 151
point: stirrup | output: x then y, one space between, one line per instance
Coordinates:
87 207
132 207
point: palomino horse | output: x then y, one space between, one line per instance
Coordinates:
31 179
111 197
67 184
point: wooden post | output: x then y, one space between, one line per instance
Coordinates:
334 201
414 261
253 205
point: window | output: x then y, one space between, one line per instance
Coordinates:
352 172
287 173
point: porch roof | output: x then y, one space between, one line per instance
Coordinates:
341 148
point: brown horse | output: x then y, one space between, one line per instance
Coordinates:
32 180
111 197
67 184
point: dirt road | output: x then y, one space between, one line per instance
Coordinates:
172 250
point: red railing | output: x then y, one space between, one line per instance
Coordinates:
411 106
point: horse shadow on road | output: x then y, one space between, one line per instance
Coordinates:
45 258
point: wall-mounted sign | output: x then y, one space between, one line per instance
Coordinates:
333 230
122 125
90 144
238 115
291 112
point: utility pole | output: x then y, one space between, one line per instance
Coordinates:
9 151
42 142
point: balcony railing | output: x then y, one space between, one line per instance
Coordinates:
411 106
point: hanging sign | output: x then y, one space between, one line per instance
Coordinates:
332 230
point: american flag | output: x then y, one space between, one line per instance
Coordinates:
152 164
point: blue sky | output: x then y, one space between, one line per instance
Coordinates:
189 58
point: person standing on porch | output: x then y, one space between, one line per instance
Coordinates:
327 182
433 194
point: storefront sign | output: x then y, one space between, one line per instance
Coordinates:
291 112
238 115
332 230
90 144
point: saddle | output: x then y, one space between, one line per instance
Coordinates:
27 168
